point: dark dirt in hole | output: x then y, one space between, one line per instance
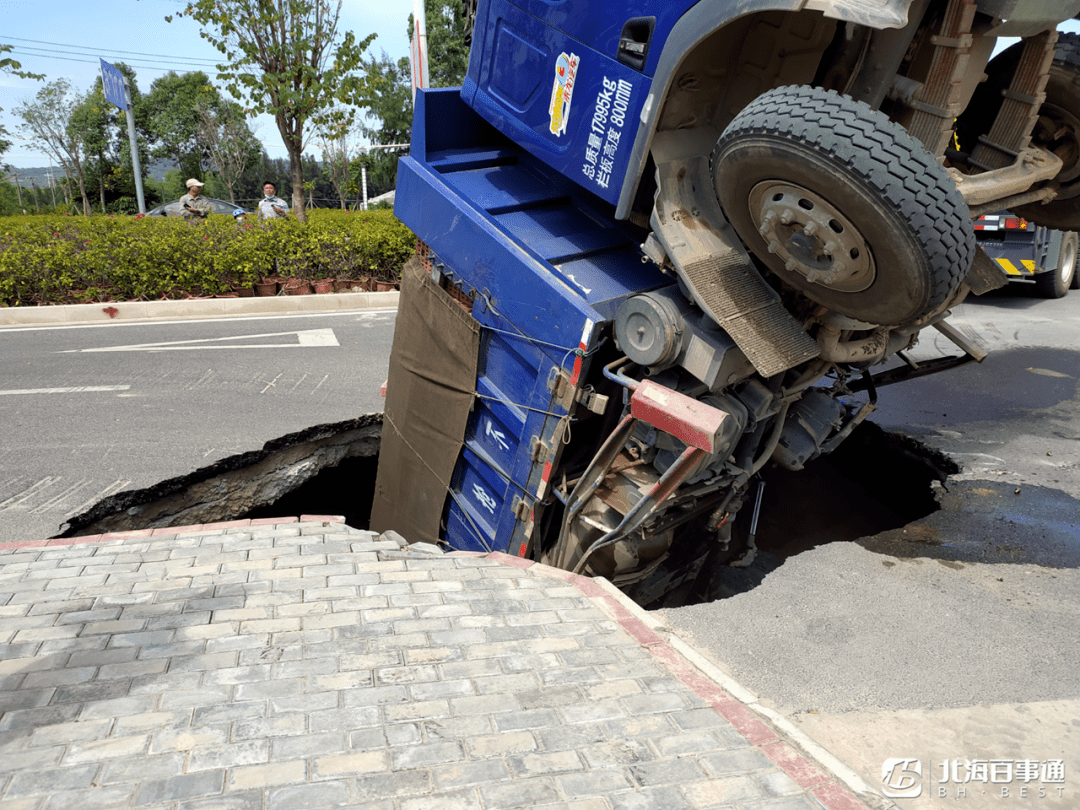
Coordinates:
345 490
875 482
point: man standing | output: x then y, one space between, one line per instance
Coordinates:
192 206
272 206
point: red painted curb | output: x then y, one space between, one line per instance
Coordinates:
745 721
25 544
835 797
135 534
128 534
75 541
795 765
510 560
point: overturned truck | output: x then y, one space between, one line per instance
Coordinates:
665 245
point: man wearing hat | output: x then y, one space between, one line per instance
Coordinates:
192 206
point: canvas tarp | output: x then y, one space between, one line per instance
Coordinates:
429 394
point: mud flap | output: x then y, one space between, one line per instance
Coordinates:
429 394
715 268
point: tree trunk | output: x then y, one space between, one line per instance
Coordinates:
296 173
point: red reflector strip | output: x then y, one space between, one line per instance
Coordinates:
1015 224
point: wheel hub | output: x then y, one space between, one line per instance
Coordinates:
811 236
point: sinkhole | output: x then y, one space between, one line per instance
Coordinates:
875 481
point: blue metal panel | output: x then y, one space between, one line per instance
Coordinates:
493 218
572 106
599 25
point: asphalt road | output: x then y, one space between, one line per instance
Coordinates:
93 410
958 635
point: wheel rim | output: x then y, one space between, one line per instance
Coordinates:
1066 140
811 236
1068 261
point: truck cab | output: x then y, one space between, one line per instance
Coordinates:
664 246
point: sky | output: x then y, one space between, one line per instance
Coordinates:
135 32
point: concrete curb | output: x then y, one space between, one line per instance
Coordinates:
810 747
193 308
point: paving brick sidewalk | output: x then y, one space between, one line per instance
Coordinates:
270 665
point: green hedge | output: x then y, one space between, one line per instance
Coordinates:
65 259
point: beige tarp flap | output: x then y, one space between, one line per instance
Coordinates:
428 397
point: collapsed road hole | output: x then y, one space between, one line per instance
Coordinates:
875 481
346 490
326 469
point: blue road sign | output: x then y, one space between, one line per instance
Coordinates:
112 80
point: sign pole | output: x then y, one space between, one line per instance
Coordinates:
118 92
135 164
419 48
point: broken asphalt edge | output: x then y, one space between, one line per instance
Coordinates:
835 785
192 308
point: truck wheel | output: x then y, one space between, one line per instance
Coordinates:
1055 284
1057 130
843 205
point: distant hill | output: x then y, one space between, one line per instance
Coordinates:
40 174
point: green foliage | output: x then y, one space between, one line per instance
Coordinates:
46 124
390 109
14 67
286 58
172 111
448 27
66 259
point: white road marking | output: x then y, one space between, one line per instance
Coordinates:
271 384
374 313
308 337
79 389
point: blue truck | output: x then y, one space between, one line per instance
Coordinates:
661 246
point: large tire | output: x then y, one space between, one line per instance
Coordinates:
891 237
1058 129
1055 284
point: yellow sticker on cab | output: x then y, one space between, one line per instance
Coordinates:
562 91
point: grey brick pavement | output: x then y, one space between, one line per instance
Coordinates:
300 665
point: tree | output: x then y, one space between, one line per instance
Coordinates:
449 30
46 122
229 142
337 141
172 111
390 109
9 65
287 59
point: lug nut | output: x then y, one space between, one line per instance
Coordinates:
774 246
810 228
787 216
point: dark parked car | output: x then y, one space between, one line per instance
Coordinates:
172 209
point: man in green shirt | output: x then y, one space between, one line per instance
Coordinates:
192 206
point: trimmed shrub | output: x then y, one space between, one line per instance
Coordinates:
64 259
